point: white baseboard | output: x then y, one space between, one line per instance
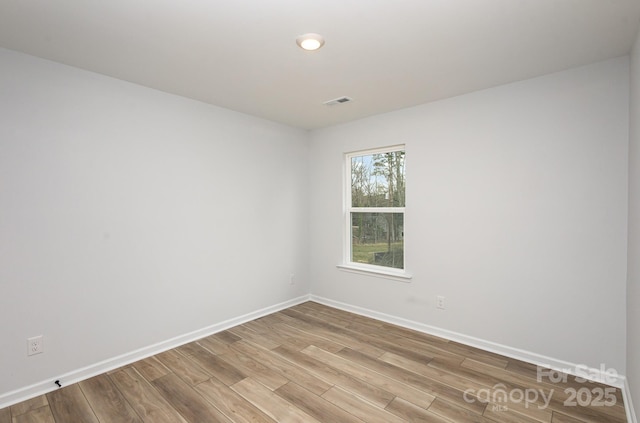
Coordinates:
78 375
540 360
628 403
529 357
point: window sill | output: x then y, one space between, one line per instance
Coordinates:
398 275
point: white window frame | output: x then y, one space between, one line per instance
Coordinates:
363 268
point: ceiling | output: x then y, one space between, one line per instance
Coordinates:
385 54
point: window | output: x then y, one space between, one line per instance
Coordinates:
374 212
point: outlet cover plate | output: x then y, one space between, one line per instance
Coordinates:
35 345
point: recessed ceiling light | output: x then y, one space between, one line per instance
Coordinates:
310 41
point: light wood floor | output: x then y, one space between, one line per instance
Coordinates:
311 363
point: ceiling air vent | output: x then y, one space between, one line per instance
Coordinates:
339 100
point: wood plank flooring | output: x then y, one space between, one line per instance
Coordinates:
312 363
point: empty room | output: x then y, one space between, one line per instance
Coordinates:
337 211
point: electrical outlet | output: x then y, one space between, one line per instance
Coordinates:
440 302
35 345
292 279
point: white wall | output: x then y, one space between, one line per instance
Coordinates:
129 216
516 213
633 261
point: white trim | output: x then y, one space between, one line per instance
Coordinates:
379 271
628 403
398 210
78 375
348 209
376 150
529 357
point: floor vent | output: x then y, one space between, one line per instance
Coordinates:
339 100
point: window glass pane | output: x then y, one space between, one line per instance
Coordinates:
378 238
377 180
